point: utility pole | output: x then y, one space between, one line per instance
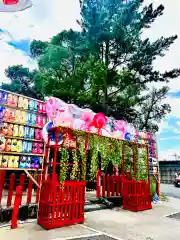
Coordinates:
175 156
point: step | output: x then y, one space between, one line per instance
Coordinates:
94 207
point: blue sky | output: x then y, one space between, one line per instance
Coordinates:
48 17
22 45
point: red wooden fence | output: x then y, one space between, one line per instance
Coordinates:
7 195
136 195
61 205
70 199
108 185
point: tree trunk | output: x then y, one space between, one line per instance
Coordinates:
148 113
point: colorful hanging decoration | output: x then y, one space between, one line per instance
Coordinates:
2 143
99 121
69 115
14 5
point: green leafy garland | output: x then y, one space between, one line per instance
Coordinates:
102 145
93 145
63 166
115 152
142 168
75 165
128 158
81 142
110 150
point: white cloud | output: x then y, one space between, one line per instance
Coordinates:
42 21
174 103
170 154
10 56
175 113
174 127
164 127
178 123
167 25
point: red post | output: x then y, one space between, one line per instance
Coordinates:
98 184
158 186
134 164
113 183
2 175
158 190
147 164
29 192
104 182
11 190
46 159
55 157
22 180
116 171
108 185
17 203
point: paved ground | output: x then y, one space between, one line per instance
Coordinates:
112 224
152 224
147 225
170 190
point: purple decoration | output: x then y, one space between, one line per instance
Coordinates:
1 115
35 162
3 97
1 94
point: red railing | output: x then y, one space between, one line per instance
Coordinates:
14 196
67 204
108 185
7 195
61 205
68 200
136 195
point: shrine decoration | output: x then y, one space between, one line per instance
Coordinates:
21 142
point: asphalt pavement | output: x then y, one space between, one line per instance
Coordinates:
170 190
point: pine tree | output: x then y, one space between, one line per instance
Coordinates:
107 66
22 82
114 32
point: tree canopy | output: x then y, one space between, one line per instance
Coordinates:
22 82
108 66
